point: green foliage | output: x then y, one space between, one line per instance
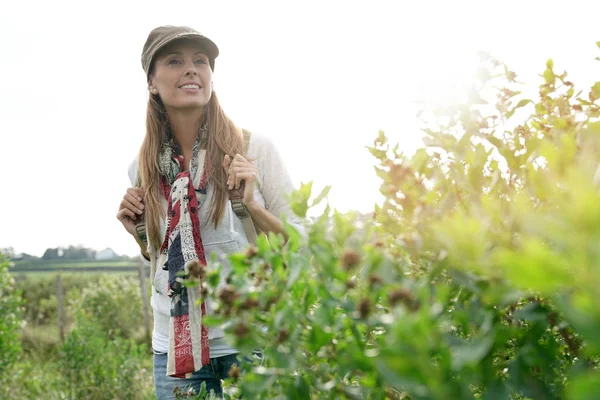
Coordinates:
96 361
115 303
96 366
33 378
39 294
10 318
477 277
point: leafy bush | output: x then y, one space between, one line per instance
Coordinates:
39 293
95 366
33 377
10 318
115 303
96 361
478 276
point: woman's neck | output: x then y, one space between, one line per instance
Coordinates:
185 125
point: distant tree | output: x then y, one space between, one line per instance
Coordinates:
69 253
50 254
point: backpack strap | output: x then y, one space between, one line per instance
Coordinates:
140 226
237 195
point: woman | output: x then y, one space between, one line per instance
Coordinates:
190 159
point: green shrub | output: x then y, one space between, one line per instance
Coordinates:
96 366
477 276
39 293
10 318
115 303
33 377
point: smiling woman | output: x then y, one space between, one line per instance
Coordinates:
191 161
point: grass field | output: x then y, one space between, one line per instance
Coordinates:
43 266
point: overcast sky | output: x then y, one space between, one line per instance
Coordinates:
319 77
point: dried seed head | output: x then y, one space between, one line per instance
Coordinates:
203 290
241 330
375 280
403 296
228 294
249 303
234 373
350 259
350 284
271 300
364 308
282 336
398 295
251 251
267 267
196 270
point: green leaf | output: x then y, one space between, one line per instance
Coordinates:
377 153
213 278
523 103
596 89
381 139
533 312
584 387
536 266
212 320
497 391
549 76
540 109
299 199
472 353
262 243
297 266
324 193
398 373
301 389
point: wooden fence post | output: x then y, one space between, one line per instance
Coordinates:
61 310
146 308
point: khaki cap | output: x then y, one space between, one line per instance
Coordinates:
163 35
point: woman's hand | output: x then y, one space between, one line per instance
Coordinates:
240 169
130 209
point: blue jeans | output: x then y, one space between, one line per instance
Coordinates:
211 373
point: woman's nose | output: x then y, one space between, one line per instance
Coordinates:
191 70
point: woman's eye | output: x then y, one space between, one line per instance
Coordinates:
201 61
174 61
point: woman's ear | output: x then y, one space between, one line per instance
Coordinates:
151 88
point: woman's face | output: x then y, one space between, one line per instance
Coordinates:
182 76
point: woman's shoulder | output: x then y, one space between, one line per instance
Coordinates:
260 144
132 171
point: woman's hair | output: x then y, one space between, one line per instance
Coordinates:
223 137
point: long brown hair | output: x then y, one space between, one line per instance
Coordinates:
223 138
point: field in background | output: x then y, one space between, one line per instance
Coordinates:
84 266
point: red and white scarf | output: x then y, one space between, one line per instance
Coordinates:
182 245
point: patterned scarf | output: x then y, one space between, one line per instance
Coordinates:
182 245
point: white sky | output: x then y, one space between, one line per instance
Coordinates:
319 77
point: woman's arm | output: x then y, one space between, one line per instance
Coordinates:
275 185
266 221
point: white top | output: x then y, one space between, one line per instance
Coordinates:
274 184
